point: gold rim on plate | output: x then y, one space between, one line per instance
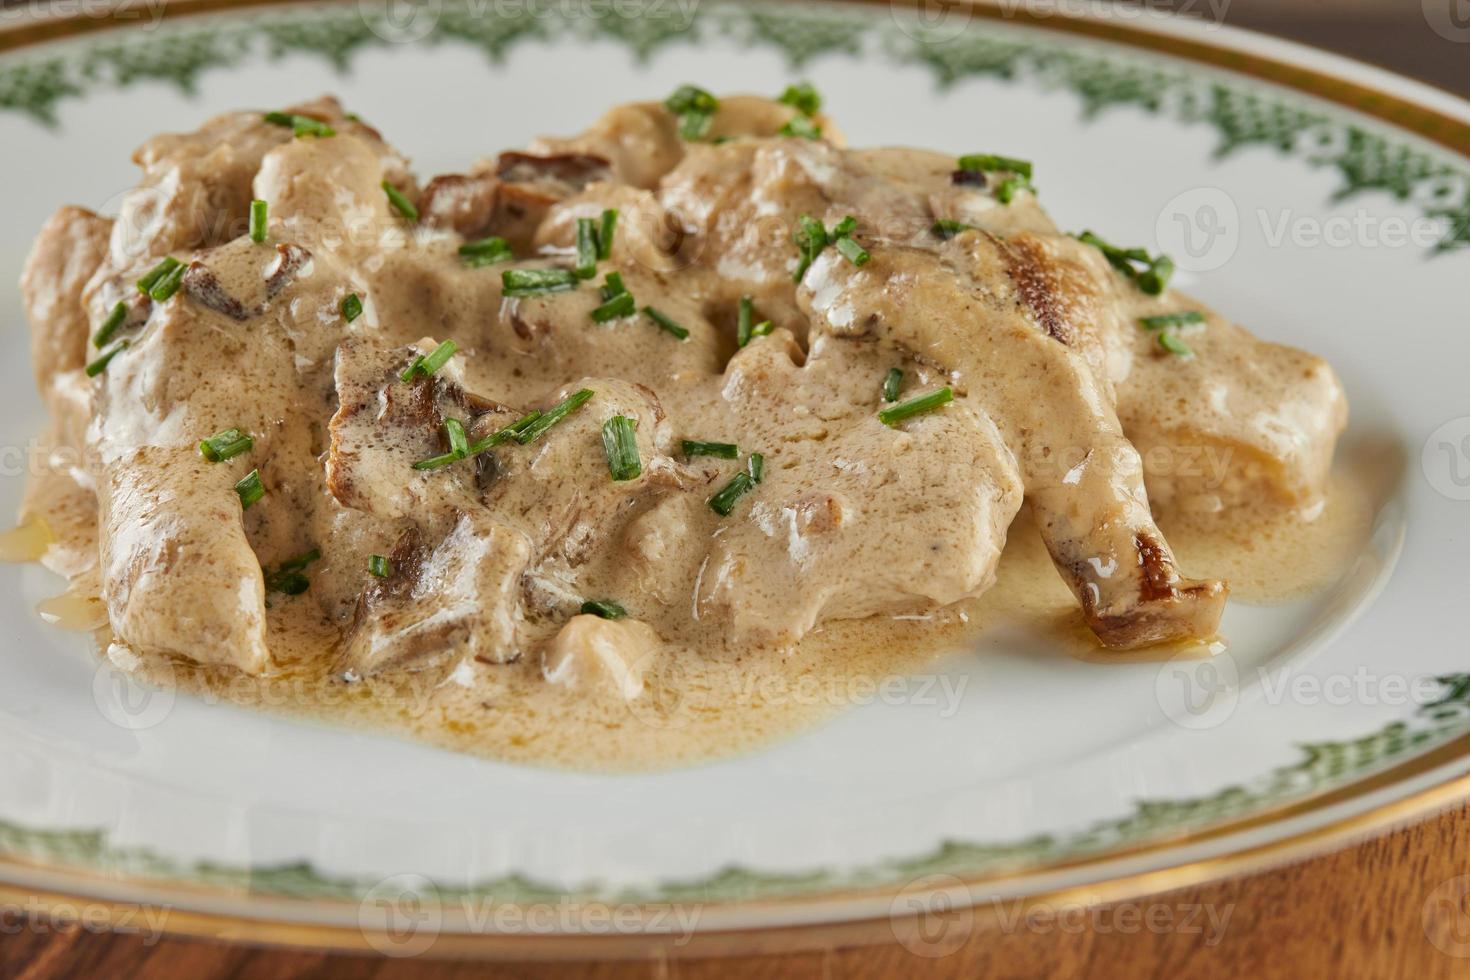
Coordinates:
73 886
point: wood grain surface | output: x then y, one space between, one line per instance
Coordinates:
1392 907
1396 906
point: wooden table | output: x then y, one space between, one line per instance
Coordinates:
1380 909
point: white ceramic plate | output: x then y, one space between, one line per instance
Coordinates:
1013 771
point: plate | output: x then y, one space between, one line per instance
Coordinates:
1321 202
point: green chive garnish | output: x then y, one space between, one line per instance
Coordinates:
1005 191
852 251
916 406
1164 320
224 445
722 450
586 248
1151 278
801 127
287 577
990 161
400 202
617 301
605 608
380 567
946 229
486 251
666 323
555 414
249 489
695 108
605 233
843 228
745 322
756 466
891 384
620 444
537 282
803 98
258 221
351 307
427 364
506 434
810 237
459 447
1169 340
300 125
100 364
157 274
165 288
724 501
110 326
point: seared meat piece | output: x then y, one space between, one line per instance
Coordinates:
852 518
458 598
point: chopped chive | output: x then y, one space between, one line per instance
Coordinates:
250 489
1005 191
259 213
605 233
695 108
426 364
504 435
916 406
586 248
288 583
486 251
96 367
756 466
612 285
300 125
724 500
1169 341
380 566
459 447
803 98
620 444
665 323
1171 320
115 320
722 450
843 228
1152 279
605 608
801 127
620 305
891 384
157 273
351 307
810 237
533 430
537 282
946 229
458 442
224 445
762 329
400 202
164 289
852 251
744 323
990 161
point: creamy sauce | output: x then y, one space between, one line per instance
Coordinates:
865 552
